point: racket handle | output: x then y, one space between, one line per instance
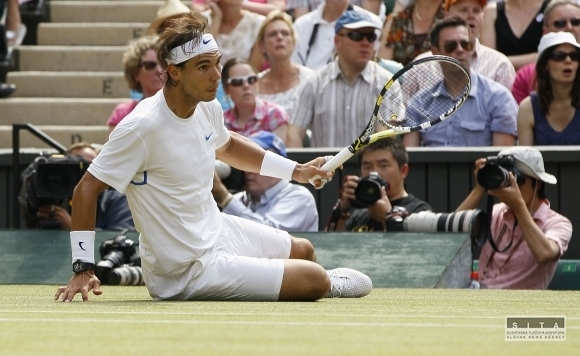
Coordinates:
332 164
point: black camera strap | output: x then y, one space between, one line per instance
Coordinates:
489 209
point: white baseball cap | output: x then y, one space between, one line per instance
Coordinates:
556 38
529 161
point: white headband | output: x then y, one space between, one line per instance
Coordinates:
205 45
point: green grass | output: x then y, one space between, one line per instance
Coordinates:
125 321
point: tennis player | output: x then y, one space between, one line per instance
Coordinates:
162 155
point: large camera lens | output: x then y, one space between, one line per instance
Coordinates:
493 177
368 190
126 276
113 259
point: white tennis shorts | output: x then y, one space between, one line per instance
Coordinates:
247 263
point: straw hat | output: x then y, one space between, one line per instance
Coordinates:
166 11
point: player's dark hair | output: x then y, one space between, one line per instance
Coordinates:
391 144
438 26
179 31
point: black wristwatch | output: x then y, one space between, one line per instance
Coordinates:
80 266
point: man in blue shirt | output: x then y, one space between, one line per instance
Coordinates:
270 201
488 116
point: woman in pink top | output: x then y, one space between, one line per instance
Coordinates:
141 73
262 7
249 113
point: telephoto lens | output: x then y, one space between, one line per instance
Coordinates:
110 261
126 276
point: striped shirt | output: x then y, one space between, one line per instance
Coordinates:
489 63
336 111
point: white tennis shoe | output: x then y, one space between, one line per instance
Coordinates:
348 283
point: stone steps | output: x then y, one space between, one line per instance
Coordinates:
45 84
90 34
65 135
57 111
70 82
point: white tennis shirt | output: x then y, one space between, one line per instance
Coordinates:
165 165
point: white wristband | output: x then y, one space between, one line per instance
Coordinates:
82 245
277 166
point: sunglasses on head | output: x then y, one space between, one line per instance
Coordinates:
563 23
451 46
559 56
239 81
358 36
148 65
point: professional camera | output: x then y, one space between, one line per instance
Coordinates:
231 177
120 262
495 173
49 180
368 190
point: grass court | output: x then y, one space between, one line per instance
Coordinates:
125 321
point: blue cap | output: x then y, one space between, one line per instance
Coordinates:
269 142
352 19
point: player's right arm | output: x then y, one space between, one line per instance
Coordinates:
84 210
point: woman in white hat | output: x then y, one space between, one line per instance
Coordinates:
551 115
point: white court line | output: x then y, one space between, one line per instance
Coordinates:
237 322
83 312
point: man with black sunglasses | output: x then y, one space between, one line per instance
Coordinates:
314 47
488 116
560 15
340 98
484 60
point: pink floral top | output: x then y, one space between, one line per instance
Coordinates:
267 116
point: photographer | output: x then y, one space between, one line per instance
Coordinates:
112 211
528 236
269 201
384 167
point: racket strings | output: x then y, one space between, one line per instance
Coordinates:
423 94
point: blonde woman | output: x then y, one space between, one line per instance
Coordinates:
276 41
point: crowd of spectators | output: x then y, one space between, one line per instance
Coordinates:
306 73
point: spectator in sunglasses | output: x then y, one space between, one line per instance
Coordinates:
484 60
514 28
550 115
488 116
560 15
142 73
339 98
250 114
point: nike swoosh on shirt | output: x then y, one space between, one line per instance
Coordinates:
207 137
206 42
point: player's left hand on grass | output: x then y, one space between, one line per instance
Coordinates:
82 283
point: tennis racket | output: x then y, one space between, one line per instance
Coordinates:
420 95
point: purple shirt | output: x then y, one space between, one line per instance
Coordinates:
516 268
267 116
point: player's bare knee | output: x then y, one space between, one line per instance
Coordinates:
302 249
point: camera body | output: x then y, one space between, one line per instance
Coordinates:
495 173
232 178
49 180
120 262
368 190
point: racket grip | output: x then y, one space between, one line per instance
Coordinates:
332 164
